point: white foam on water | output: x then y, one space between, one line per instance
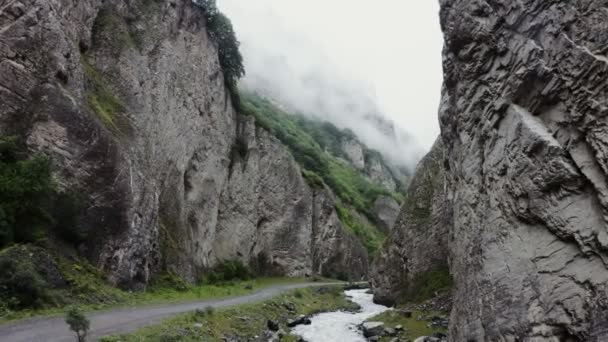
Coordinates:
340 326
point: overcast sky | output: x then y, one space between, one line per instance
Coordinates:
390 47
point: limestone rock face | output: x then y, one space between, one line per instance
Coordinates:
418 243
336 252
354 152
128 98
380 175
523 120
388 210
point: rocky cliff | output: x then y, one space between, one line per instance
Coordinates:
128 98
523 119
418 244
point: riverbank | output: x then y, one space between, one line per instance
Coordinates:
259 321
429 318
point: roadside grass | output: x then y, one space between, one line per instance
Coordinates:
152 296
243 321
414 327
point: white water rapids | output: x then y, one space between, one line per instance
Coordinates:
341 325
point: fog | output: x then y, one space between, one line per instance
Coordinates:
375 69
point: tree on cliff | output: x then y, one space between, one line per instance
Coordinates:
222 33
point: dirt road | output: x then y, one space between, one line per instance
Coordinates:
121 321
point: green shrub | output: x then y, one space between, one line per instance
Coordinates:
228 270
209 311
170 281
314 180
427 284
222 33
78 323
66 208
21 286
26 185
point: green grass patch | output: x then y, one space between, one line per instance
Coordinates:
110 31
244 321
414 327
101 99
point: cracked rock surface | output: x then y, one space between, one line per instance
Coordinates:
524 123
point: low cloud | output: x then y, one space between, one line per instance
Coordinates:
287 64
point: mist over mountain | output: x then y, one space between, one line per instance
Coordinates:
294 71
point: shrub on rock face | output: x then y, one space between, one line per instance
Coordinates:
29 203
222 33
25 188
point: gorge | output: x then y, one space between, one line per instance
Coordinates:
161 168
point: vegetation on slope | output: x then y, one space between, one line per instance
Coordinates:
242 322
222 33
311 144
44 278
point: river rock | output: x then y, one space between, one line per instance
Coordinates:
372 329
323 290
298 321
427 339
389 332
272 325
406 313
356 286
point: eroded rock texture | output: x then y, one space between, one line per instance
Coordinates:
129 99
523 119
418 243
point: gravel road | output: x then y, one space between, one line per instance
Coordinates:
121 321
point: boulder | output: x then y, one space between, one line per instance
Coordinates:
302 320
390 332
406 313
372 329
272 325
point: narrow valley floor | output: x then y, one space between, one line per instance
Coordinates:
122 321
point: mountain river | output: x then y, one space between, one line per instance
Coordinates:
341 325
